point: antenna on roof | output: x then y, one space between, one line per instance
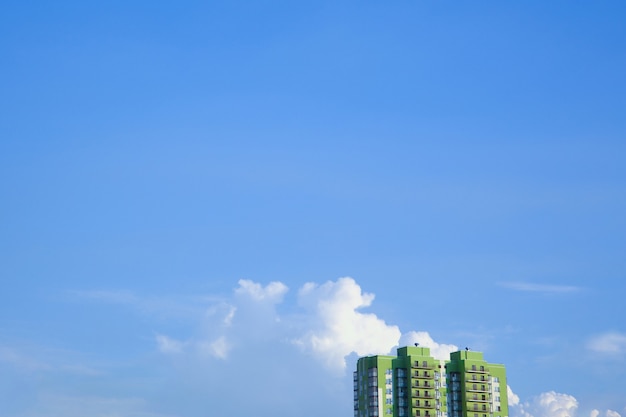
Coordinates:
466 348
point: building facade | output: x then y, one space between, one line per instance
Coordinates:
415 384
476 388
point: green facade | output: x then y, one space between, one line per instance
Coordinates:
411 384
476 388
414 384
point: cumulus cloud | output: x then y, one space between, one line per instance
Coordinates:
513 398
547 404
607 413
438 350
272 292
611 343
338 328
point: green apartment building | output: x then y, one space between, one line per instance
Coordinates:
414 384
476 388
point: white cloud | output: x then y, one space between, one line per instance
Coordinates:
547 404
438 350
607 413
247 317
224 310
166 344
228 319
272 292
218 348
337 328
513 398
611 343
543 288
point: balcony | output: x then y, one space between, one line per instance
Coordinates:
487 399
477 369
477 388
475 408
422 365
424 375
424 404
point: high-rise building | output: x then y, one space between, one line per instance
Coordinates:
415 384
475 388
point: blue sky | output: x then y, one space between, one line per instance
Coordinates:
213 208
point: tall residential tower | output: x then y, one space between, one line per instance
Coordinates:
415 384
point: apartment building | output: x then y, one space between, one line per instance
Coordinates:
415 384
